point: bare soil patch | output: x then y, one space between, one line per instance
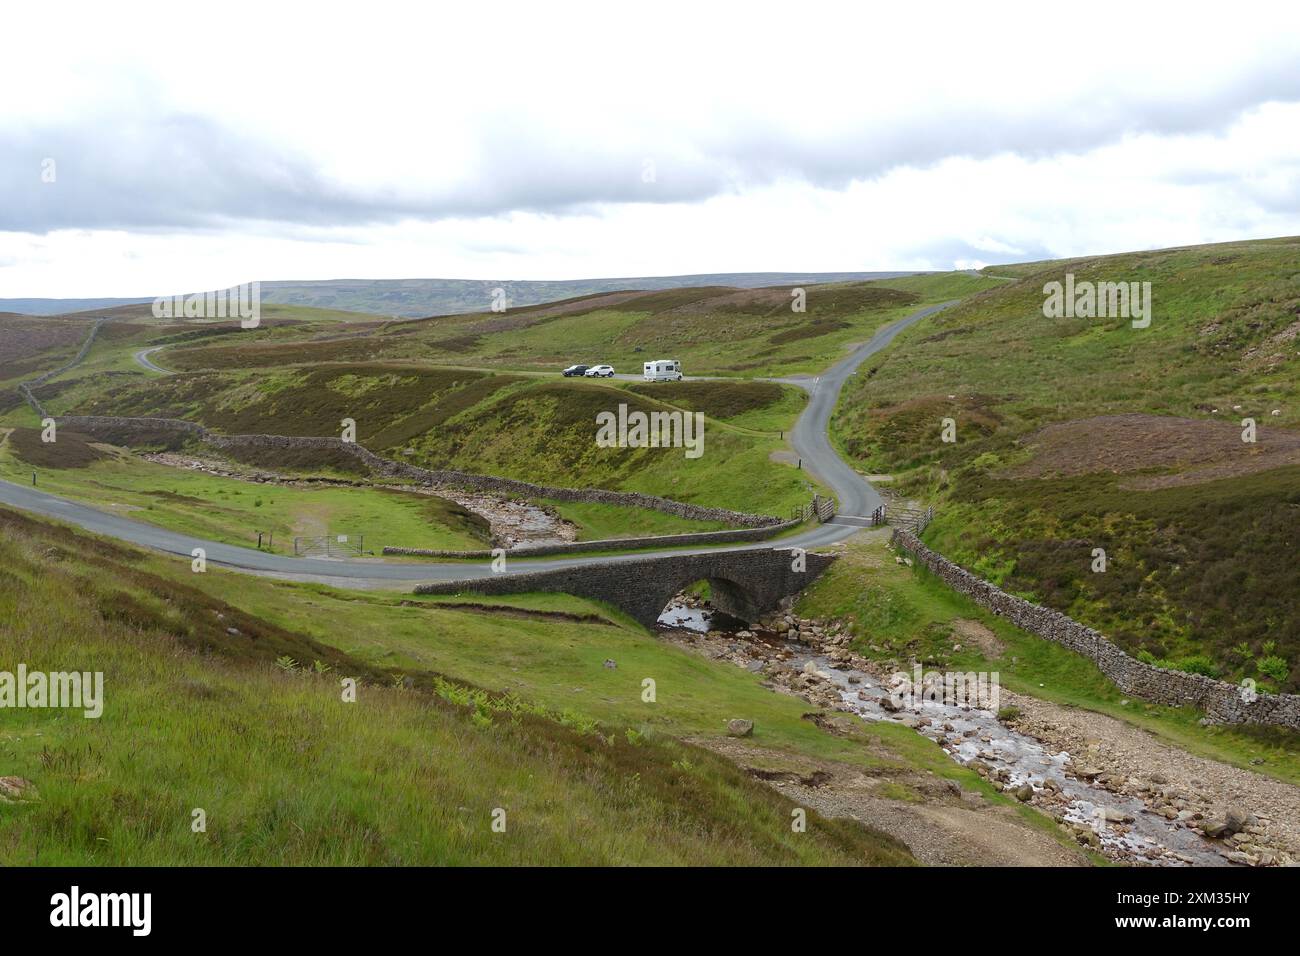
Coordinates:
1194 450
941 824
974 632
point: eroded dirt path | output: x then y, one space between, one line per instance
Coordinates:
942 826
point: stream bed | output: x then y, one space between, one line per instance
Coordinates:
1125 828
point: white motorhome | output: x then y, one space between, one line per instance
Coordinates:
663 370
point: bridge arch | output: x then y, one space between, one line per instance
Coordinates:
727 596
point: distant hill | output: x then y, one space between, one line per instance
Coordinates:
715 329
61 306
416 298
412 298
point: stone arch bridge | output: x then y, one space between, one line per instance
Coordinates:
745 583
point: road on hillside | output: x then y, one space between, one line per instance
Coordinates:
142 359
809 437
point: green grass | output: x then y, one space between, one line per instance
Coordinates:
111 362
1193 571
545 433
233 511
941 287
597 522
560 665
287 773
754 406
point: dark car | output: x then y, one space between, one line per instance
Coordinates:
578 370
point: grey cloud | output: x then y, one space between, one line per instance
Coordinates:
1073 126
189 172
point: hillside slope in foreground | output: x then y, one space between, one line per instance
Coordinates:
225 738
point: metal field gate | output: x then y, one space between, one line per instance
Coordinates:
330 546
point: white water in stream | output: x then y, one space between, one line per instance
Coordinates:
1141 834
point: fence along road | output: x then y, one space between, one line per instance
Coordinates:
809 438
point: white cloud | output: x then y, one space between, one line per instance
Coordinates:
511 141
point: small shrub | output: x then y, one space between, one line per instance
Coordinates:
1274 667
1197 664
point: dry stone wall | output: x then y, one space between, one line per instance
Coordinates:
25 388
1221 701
613 544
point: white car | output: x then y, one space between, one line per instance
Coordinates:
600 371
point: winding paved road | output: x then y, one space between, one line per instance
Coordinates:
142 359
809 438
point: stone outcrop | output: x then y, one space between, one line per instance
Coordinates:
1221 701
129 431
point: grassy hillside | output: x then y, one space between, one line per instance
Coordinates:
1143 456
717 329
32 345
550 651
209 706
526 427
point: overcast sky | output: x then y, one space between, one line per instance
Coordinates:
554 141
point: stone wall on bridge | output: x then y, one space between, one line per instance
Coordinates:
1221 701
745 584
694 538
134 431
